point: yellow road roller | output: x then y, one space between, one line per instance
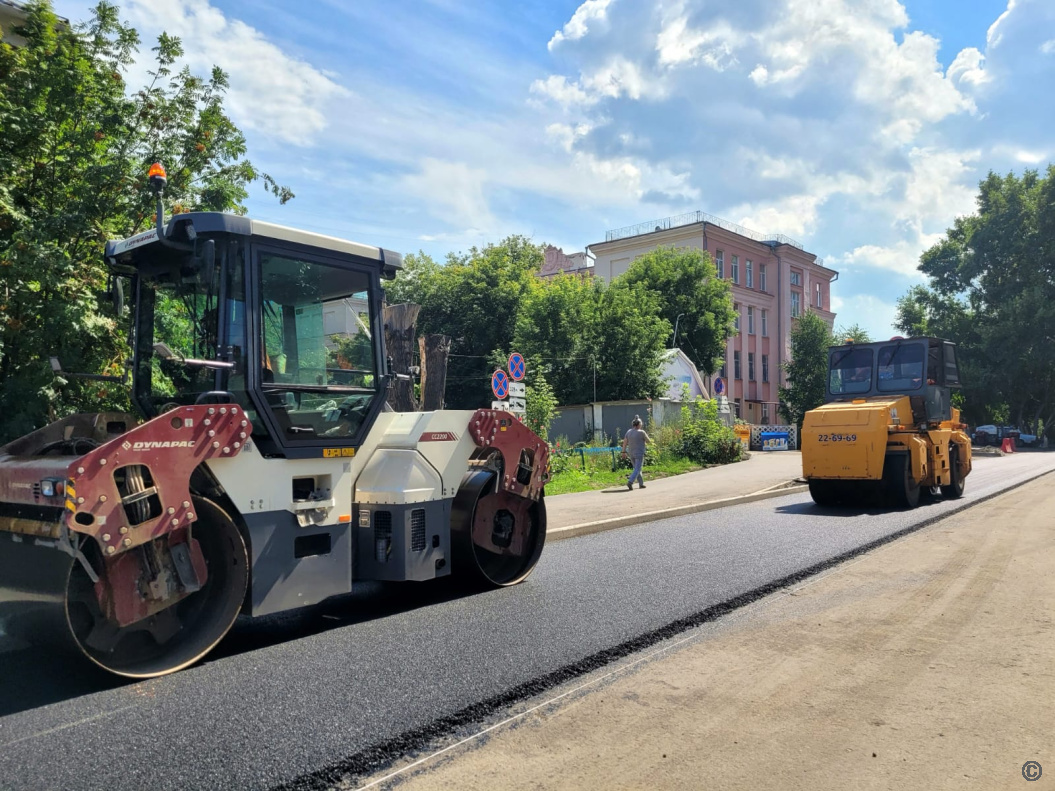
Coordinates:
887 428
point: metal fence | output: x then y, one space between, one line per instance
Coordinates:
756 436
612 419
691 218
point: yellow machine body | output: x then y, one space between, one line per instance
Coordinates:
851 441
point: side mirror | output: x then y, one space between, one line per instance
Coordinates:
208 253
116 292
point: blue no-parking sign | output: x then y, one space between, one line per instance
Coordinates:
517 366
500 383
719 386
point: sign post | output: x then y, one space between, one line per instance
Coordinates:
509 385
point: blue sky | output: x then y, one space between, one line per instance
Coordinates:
859 127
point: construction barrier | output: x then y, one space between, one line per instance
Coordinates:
1008 445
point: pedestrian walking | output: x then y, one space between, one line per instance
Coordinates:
634 445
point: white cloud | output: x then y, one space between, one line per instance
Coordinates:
579 24
968 68
454 192
559 89
1048 47
900 258
271 93
677 44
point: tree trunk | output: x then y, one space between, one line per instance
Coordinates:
400 322
434 350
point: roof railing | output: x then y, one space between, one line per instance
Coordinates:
691 218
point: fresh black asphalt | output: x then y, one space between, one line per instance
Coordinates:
303 701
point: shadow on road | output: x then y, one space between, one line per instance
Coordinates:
865 508
42 675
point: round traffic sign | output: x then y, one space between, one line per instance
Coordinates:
500 383
517 366
719 386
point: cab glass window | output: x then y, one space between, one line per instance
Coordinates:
850 371
901 368
319 372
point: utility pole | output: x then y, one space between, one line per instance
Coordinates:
674 342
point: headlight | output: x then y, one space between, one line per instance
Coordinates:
52 487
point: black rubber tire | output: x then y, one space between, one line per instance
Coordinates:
823 493
901 490
955 487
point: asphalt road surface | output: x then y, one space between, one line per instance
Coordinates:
308 700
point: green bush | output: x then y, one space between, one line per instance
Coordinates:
702 437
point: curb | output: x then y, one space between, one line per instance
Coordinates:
587 528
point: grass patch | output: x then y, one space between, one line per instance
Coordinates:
599 475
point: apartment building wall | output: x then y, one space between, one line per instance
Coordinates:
788 270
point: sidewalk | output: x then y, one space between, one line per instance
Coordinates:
577 514
928 663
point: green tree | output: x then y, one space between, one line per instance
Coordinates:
75 146
475 299
807 370
855 333
692 298
992 291
577 326
541 403
415 283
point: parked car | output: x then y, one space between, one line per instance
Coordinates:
994 435
985 435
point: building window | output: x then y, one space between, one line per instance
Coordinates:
719 262
765 367
736 269
736 319
820 299
721 371
750 273
736 365
796 278
765 414
751 366
750 321
762 277
736 406
765 325
795 306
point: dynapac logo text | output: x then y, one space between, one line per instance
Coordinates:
187 443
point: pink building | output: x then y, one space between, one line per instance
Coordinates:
773 281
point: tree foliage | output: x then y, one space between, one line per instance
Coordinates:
75 146
692 298
807 370
594 338
992 291
475 299
855 332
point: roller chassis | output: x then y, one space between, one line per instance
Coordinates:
122 561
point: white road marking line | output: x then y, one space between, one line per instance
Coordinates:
68 725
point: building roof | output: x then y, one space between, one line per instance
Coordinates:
557 262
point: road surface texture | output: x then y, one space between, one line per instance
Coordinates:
928 663
324 697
